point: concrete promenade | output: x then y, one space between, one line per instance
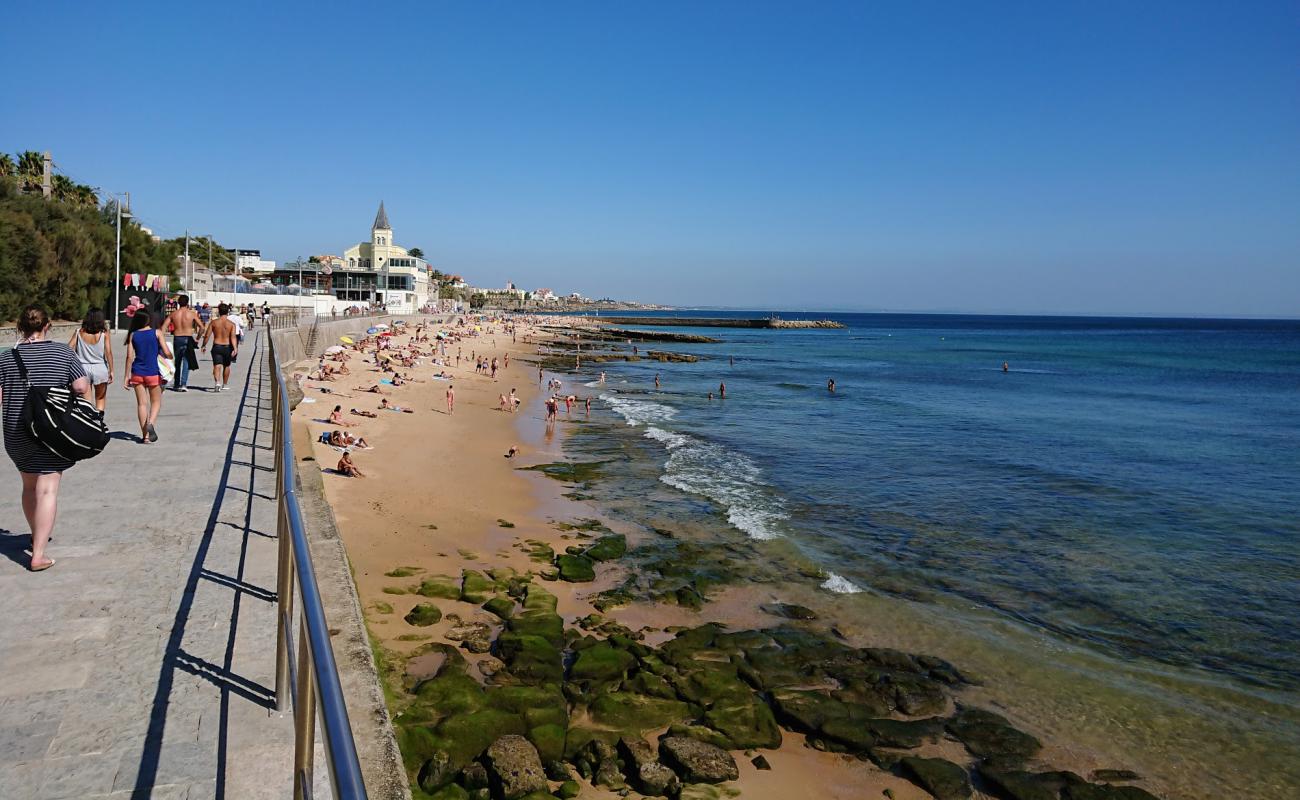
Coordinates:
142 664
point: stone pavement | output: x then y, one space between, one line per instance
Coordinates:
143 663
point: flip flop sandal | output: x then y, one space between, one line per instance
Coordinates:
153 434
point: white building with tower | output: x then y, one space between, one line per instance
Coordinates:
380 271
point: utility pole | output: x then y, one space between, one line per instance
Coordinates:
117 268
188 282
47 177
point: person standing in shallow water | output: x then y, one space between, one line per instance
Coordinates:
48 364
722 391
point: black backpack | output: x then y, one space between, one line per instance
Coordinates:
62 420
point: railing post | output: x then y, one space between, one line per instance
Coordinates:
284 612
304 719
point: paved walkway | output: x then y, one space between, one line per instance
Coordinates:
143 663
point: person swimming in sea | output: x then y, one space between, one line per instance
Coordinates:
830 385
1006 367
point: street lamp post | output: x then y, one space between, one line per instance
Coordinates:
117 259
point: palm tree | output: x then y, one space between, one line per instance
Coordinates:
7 166
86 196
31 170
415 252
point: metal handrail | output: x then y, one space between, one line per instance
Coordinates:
314 679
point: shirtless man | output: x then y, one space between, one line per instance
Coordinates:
186 327
451 399
225 346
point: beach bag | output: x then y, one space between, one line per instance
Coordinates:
166 369
62 420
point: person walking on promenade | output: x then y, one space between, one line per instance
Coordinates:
48 364
237 320
223 333
205 314
144 343
94 351
451 399
186 328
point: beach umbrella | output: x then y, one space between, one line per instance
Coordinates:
381 326
372 331
345 339
334 348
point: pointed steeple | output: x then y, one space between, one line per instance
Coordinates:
381 219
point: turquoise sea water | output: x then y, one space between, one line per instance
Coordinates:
1128 486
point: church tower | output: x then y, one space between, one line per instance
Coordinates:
381 239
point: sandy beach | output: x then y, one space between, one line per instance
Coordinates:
442 517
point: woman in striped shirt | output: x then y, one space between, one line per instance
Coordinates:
48 363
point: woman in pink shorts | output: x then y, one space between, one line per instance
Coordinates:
144 343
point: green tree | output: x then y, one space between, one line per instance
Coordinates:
415 252
31 171
477 300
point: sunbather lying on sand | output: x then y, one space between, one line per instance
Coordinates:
386 406
370 414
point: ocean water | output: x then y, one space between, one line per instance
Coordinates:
1129 487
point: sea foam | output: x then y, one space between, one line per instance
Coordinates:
724 476
639 412
840 584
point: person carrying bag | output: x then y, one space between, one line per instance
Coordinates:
36 415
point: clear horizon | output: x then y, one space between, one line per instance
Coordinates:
1078 158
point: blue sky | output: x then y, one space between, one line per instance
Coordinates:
1095 157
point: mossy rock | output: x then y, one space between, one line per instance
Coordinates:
423 615
475 587
549 741
746 723
608 548
989 735
465 737
577 472
403 572
601 664
393 590
381 607
532 659
505 523
538 618
451 791
537 705
448 694
636 714
649 684
613 598
576 568
581 525
540 551
941 778
439 587
568 789
905 733
503 607
705 683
